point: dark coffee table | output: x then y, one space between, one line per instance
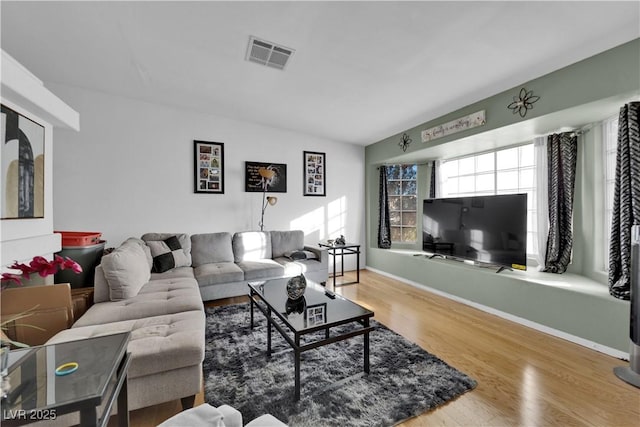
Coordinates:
38 394
317 311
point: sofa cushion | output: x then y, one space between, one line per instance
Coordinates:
184 239
251 246
156 298
176 273
211 248
261 269
167 254
286 241
126 271
158 344
218 272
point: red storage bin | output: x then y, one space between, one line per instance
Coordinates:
79 238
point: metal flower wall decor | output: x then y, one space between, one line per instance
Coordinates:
404 142
523 102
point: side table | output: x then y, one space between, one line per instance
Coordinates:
342 250
37 393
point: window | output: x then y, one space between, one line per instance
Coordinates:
401 185
507 171
609 143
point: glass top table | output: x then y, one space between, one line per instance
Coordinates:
318 310
38 393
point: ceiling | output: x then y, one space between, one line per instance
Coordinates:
361 71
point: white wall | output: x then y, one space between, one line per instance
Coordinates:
130 170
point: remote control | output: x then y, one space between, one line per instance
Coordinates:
330 294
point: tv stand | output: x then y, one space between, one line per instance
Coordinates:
503 268
437 255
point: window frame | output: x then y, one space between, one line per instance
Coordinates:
401 180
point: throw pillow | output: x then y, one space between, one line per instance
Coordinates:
167 254
126 271
298 255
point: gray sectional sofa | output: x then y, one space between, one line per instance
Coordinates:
164 311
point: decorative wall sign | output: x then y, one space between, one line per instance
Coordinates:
256 183
22 155
523 102
454 126
209 167
314 174
404 142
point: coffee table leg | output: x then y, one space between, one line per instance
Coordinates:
123 406
297 368
251 298
268 331
366 347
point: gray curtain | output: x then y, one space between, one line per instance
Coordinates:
432 184
562 150
626 201
384 227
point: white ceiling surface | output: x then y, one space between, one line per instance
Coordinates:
362 71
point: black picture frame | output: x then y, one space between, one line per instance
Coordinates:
315 315
208 166
314 181
254 182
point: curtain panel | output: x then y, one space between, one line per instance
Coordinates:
562 150
432 182
626 201
384 226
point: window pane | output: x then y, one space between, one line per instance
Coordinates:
527 178
507 159
451 186
449 168
467 166
467 184
408 188
393 187
485 182
484 162
393 172
394 218
409 172
409 218
396 234
409 234
394 203
409 203
526 155
507 180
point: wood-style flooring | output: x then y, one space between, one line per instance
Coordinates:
525 377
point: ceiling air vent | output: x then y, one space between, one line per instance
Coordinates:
267 53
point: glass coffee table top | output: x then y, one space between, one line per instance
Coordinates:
34 383
315 310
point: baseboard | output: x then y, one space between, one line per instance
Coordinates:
522 321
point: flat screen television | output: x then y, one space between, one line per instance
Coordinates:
486 229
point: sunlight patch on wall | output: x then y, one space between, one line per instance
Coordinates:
310 223
336 217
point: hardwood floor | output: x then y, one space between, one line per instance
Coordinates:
525 377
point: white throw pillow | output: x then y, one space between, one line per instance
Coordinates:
126 270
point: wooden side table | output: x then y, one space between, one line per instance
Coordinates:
342 250
81 300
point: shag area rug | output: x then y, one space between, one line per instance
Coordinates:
404 381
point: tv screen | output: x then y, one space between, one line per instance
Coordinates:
487 229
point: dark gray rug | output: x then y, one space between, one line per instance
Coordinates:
405 380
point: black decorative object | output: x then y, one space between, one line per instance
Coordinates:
340 240
295 306
404 143
523 102
296 287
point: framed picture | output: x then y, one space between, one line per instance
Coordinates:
22 155
272 176
209 167
316 314
314 174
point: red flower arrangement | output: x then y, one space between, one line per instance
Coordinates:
41 266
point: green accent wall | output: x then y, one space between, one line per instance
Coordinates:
588 312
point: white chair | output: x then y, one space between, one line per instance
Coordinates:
222 416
